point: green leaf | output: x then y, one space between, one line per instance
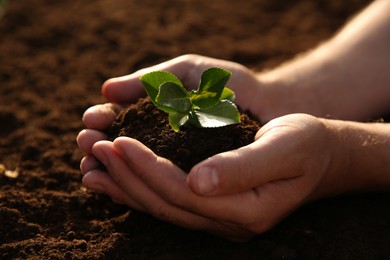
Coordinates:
211 105
193 119
174 97
153 80
228 94
223 114
176 120
210 88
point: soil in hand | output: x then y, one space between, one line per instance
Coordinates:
148 124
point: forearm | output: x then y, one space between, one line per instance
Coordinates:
360 158
346 77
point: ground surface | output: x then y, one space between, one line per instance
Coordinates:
54 55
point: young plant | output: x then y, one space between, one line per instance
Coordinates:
211 105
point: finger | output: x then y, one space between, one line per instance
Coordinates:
169 182
100 181
89 163
125 89
244 168
141 194
100 117
87 138
255 210
187 68
279 152
129 183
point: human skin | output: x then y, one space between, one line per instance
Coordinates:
346 77
244 192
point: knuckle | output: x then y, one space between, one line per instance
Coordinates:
188 57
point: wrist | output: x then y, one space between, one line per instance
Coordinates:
360 157
370 155
292 88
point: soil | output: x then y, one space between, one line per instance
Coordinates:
54 56
148 124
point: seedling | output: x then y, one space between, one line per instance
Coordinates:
211 105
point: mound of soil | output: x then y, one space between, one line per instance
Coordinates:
54 56
148 124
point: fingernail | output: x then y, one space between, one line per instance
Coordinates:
90 183
207 179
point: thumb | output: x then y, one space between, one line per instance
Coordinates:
242 169
116 90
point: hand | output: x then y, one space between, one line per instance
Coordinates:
188 68
128 89
251 189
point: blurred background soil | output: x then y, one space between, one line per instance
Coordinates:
54 56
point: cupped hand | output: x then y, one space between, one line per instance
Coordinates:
188 68
235 194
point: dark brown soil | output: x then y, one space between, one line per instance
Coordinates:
54 56
148 124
